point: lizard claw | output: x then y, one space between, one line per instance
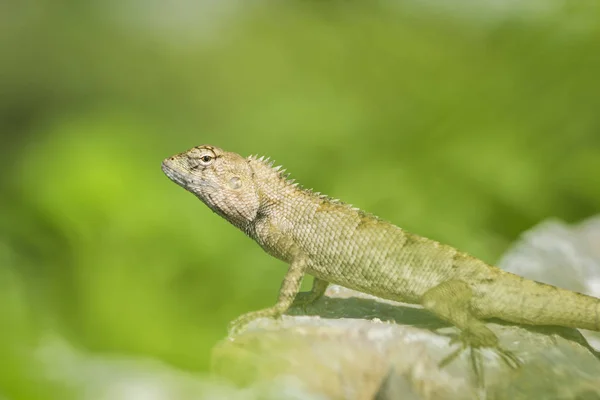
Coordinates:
450 357
239 324
476 358
235 327
509 358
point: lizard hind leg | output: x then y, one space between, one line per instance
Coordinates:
451 301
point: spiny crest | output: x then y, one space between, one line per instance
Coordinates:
281 172
265 160
285 177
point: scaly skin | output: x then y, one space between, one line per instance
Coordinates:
339 244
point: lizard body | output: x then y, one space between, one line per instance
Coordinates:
337 243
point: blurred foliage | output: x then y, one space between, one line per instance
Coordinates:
467 125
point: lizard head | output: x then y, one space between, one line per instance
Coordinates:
222 180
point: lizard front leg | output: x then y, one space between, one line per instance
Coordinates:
303 299
288 291
451 301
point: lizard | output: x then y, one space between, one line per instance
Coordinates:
341 244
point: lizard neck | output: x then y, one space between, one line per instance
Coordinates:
278 196
281 202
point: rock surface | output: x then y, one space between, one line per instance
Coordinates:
354 346
350 345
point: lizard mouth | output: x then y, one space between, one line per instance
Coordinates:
187 180
173 174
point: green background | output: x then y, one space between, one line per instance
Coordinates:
465 122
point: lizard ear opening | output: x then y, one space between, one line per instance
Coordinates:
235 182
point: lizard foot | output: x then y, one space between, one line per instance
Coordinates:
236 327
239 324
452 302
474 343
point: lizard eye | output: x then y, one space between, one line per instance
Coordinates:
206 159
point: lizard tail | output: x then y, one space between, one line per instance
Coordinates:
574 310
536 303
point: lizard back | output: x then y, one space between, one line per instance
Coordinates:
347 246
